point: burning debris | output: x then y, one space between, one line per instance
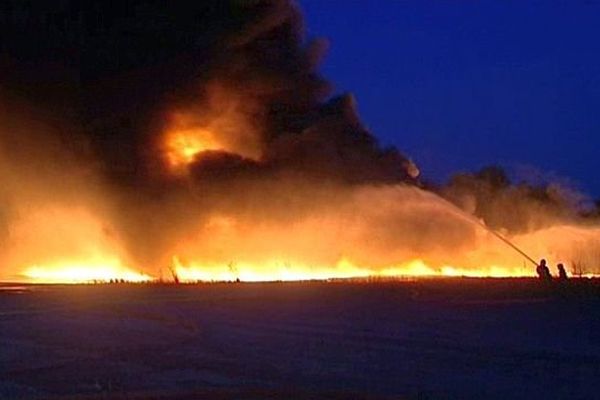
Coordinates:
204 137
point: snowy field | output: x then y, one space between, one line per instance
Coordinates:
447 339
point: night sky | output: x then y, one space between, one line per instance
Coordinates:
461 85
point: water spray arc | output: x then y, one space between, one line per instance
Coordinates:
477 222
508 242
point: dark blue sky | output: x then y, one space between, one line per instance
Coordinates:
458 85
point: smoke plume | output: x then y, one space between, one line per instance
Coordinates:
201 136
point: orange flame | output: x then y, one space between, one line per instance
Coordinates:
86 272
343 269
58 244
183 144
62 245
227 122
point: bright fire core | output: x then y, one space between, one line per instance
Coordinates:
258 254
83 273
111 270
184 145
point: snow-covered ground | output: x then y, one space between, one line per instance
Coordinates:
452 339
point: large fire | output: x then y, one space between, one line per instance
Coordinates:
343 269
87 272
57 244
111 270
48 238
278 229
218 152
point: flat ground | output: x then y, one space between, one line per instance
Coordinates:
432 339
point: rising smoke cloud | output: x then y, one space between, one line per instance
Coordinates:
204 131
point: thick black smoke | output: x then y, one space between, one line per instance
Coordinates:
516 207
113 69
91 90
106 79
